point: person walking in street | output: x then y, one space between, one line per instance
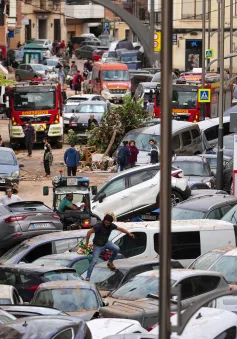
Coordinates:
1 142
61 75
154 153
101 242
134 152
123 156
71 159
48 157
30 138
92 121
77 81
9 197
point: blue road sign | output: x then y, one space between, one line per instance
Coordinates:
204 95
106 27
209 53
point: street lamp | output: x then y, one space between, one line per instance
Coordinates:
219 176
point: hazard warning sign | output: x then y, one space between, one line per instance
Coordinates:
157 41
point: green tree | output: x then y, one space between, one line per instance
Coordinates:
117 122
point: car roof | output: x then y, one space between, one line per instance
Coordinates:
130 263
34 268
5 291
66 284
65 256
180 273
92 102
232 252
207 123
193 158
55 236
7 149
134 169
148 84
88 96
205 202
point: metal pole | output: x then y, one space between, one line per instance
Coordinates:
231 36
152 25
219 179
218 38
166 155
209 29
203 107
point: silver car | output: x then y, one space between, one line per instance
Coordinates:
26 219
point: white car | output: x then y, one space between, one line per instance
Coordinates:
207 323
44 43
101 328
135 191
84 97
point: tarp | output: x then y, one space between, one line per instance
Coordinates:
33 45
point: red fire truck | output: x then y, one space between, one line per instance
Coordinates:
185 99
38 102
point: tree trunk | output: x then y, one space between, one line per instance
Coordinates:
110 143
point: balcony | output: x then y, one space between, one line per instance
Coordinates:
88 11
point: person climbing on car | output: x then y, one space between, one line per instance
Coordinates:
101 242
134 152
71 159
48 157
154 153
123 156
30 138
76 82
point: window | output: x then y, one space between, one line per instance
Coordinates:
39 251
226 127
65 334
142 14
115 187
215 214
204 284
186 138
206 260
186 245
65 244
192 10
8 278
175 142
81 266
131 247
225 209
139 177
230 333
195 133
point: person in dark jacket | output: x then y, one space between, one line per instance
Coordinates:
47 157
71 159
123 156
92 121
29 138
134 152
154 154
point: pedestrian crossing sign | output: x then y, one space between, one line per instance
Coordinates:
209 53
204 95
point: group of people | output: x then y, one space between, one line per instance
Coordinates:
127 155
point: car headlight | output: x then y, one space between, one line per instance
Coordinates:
209 184
105 88
15 174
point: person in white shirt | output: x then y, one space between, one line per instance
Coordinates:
48 54
9 197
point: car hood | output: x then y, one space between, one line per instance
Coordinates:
85 315
195 179
117 84
7 170
82 118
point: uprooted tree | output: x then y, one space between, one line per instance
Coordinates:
115 124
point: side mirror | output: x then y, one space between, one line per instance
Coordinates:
21 166
45 190
94 190
8 113
105 302
101 197
97 79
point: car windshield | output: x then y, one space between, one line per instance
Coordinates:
193 168
24 206
78 200
68 299
39 42
206 260
70 108
106 279
34 100
38 67
7 158
142 140
183 99
231 215
186 214
56 262
138 287
61 275
86 108
115 75
228 142
227 265
10 257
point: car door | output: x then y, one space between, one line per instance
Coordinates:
117 198
22 72
143 188
186 143
29 72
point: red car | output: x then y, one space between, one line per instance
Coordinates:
97 53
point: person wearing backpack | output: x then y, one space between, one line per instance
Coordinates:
123 156
48 157
76 82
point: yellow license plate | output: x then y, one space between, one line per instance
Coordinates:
39 128
179 111
34 112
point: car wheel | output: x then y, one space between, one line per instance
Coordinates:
231 188
18 77
175 198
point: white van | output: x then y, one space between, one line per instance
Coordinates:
210 128
186 139
190 238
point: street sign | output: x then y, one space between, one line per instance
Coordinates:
209 53
204 95
175 39
107 27
157 41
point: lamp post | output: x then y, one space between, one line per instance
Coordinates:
209 28
203 107
231 36
219 181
